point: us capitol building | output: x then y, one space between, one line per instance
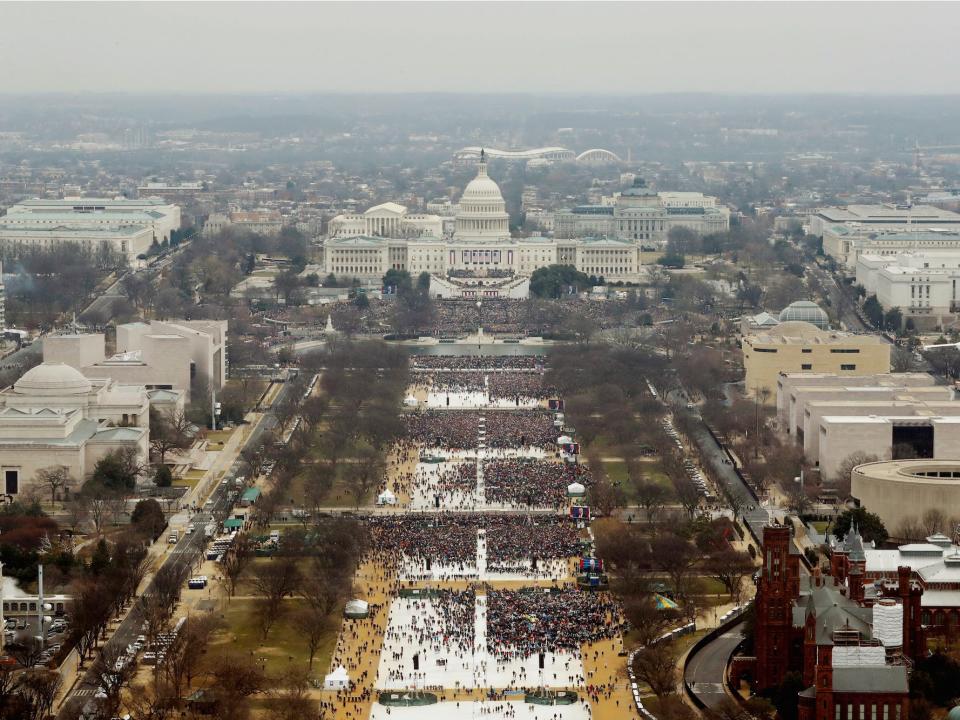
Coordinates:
386 237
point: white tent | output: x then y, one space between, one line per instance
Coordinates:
410 401
386 498
576 490
337 680
564 439
357 609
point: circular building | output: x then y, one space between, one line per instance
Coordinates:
901 490
805 311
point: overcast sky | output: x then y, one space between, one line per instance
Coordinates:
621 48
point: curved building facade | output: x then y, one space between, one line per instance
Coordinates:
902 490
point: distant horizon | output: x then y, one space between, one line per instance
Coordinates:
893 49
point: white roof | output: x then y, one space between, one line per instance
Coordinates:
576 488
357 605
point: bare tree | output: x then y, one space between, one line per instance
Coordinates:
55 477
674 556
235 562
652 497
730 567
656 665
274 581
41 688
169 433
312 625
26 652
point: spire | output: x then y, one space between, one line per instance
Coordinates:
482 167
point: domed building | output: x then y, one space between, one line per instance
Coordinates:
480 258
55 416
805 311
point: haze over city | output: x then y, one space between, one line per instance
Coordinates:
534 47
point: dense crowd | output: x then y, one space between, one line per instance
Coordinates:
499 384
450 430
524 622
500 429
450 539
514 429
477 362
523 481
512 538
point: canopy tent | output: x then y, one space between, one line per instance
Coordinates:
337 680
410 401
564 439
664 603
357 609
386 498
576 489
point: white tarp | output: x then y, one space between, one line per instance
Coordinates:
576 489
564 440
337 680
410 401
386 498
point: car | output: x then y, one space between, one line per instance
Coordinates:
10 624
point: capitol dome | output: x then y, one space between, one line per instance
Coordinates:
52 379
805 311
483 213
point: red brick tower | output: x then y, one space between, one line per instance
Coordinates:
777 588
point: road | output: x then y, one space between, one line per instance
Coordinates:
705 670
186 552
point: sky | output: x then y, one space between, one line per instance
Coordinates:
532 47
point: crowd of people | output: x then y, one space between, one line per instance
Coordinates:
477 362
449 540
524 622
525 481
499 429
439 623
519 428
511 540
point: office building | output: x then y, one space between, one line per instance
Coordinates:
922 284
797 346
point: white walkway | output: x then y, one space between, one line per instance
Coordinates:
485 710
446 663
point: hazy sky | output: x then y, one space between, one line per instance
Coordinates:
621 48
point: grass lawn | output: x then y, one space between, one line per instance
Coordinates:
219 436
190 478
338 496
820 525
284 648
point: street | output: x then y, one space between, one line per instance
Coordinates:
188 550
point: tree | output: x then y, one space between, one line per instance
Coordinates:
674 556
118 469
869 525
148 518
236 560
274 581
652 497
163 476
26 652
364 473
40 686
656 665
648 621
555 281
312 625
55 477
845 470
893 320
873 311
169 433
96 497
730 567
